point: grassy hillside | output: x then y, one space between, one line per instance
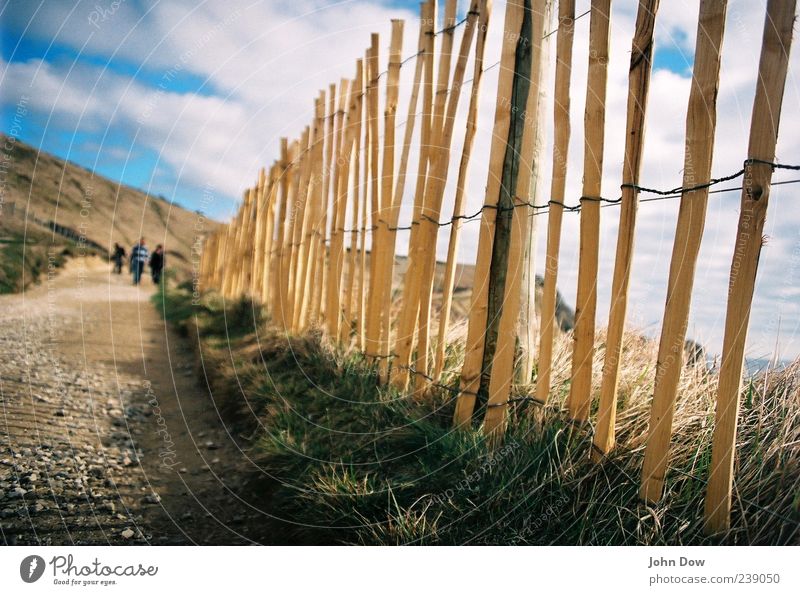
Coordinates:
358 463
42 186
28 255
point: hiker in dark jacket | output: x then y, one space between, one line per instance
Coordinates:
139 256
157 264
118 256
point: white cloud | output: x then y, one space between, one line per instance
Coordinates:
265 63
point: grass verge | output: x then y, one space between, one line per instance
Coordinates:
358 463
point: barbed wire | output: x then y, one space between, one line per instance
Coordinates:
541 209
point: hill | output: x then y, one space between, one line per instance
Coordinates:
43 191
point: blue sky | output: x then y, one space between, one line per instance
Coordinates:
175 97
31 32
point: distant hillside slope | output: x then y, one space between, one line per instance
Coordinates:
50 189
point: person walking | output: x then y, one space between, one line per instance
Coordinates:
157 263
139 256
118 256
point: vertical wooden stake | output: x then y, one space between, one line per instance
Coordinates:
385 254
561 133
448 282
287 155
393 209
303 237
347 325
373 327
312 214
527 321
299 199
528 91
337 242
439 163
407 320
764 123
473 359
594 133
319 285
701 121
268 280
332 285
638 89
362 247
257 267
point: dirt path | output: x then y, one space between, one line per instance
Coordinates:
107 434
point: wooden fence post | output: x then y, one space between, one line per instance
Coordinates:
561 134
764 123
448 281
431 205
256 268
321 277
594 134
313 212
287 155
473 358
365 186
337 242
392 209
242 256
347 326
332 286
527 322
700 128
638 89
385 252
268 279
230 247
526 93
301 262
299 196
373 327
407 320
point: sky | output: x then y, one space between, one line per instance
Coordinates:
188 100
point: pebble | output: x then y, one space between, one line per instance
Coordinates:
36 508
16 493
151 499
127 533
109 506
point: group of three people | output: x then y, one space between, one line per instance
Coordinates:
139 258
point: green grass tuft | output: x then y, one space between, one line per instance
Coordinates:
358 463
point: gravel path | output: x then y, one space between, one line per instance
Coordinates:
107 435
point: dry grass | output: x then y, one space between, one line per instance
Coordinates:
363 464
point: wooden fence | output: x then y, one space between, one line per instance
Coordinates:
290 248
